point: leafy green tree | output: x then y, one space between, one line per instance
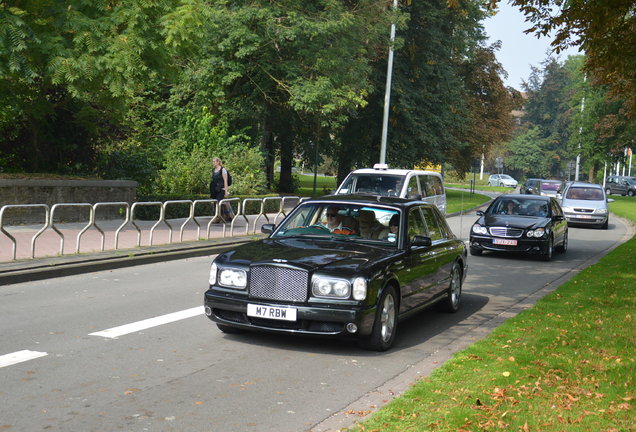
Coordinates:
284 72
526 154
604 30
69 73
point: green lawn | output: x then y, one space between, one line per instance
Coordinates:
566 364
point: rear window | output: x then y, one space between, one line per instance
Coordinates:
550 186
585 193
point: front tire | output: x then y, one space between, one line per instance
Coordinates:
385 325
454 293
630 193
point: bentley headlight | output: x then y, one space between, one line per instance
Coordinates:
360 288
331 287
213 270
233 278
478 229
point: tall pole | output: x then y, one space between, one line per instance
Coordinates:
578 156
387 93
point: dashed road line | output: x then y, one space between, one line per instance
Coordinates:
148 323
19 357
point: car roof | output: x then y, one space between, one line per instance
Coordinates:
368 199
391 171
584 184
523 197
552 180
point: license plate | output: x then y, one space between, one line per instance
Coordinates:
271 312
584 216
505 242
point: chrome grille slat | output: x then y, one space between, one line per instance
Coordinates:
278 283
506 232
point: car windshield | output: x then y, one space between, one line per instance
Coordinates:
377 184
631 181
519 207
550 186
585 194
340 221
506 177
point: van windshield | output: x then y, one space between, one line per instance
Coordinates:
377 184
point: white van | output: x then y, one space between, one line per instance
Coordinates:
413 184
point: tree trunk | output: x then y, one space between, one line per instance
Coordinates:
267 147
286 162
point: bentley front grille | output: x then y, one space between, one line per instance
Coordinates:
278 283
506 232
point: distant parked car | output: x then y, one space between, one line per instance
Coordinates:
585 204
520 223
622 185
502 180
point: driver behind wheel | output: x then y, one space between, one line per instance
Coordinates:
335 224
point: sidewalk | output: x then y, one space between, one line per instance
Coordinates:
83 253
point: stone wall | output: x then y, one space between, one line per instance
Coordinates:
50 192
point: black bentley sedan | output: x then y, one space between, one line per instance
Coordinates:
343 265
520 223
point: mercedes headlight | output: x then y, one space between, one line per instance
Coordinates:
233 278
330 287
539 232
478 229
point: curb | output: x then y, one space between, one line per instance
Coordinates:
46 268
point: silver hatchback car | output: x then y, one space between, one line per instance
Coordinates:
585 204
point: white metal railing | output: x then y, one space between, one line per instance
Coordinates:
242 208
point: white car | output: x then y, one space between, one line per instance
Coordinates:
502 180
427 186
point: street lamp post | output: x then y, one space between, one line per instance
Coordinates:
387 93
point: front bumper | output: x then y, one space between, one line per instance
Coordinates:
585 218
312 319
524 245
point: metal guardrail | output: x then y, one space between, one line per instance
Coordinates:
242 208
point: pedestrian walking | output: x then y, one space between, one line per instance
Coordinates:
219 188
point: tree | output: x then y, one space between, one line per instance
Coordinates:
527 155
604 30
69 73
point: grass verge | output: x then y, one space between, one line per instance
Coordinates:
566 364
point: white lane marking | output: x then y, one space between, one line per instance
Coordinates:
148 323
19 357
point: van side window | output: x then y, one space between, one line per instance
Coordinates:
413 191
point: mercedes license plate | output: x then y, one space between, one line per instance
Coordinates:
271 312
505 242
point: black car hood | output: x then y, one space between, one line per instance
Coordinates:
525 222
309 254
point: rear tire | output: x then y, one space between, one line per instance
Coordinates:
564 246
608 191
385 324
454 293
547 255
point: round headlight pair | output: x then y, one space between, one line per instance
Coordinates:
233 278
339 288
539 232
478 229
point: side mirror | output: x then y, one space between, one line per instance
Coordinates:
419 240
267 228
479 212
